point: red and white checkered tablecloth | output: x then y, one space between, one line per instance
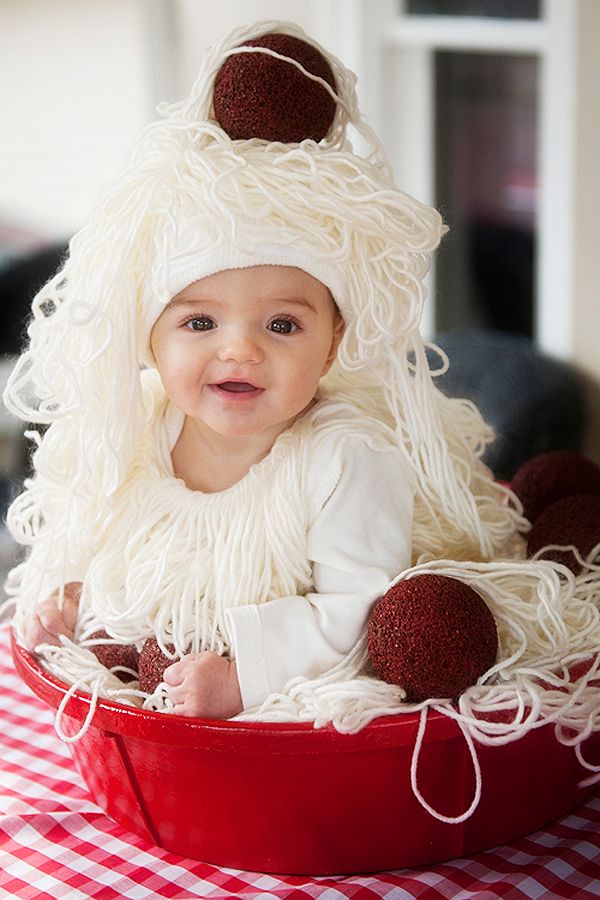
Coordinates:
55 842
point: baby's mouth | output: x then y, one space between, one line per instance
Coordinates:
237 387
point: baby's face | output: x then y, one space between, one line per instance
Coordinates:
242 351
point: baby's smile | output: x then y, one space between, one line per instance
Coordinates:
242 390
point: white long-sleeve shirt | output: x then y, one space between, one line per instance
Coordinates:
359 540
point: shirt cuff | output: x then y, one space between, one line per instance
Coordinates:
245 639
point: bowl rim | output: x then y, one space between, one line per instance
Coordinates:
225 734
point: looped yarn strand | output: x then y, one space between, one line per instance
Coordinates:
414 765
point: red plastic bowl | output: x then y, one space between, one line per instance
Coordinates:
290 799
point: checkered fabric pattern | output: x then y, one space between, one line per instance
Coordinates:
55 842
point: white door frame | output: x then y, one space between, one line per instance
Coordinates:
392 56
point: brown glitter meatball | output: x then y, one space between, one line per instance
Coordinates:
115 655
572 520
433 636
549 477
152 665
259 96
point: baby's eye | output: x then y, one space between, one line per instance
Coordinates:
200 323
283 326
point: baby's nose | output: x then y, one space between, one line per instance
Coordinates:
241 346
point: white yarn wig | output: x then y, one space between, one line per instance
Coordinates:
190 191
192 199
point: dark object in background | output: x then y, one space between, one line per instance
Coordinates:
20 280
511 9
552 476
571 521
534 403
21 277
501 258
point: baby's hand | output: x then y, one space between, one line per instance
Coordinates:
49 621
205 685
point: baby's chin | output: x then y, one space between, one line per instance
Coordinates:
240 428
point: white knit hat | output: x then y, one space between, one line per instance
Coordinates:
185 267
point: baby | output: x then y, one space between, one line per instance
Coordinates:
245 444
241 354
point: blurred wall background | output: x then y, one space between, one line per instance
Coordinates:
75 88
77 82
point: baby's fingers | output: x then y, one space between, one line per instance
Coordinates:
35 633
188 665
174 674
51 619
183 708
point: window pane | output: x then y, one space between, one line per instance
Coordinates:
499 9
486 187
